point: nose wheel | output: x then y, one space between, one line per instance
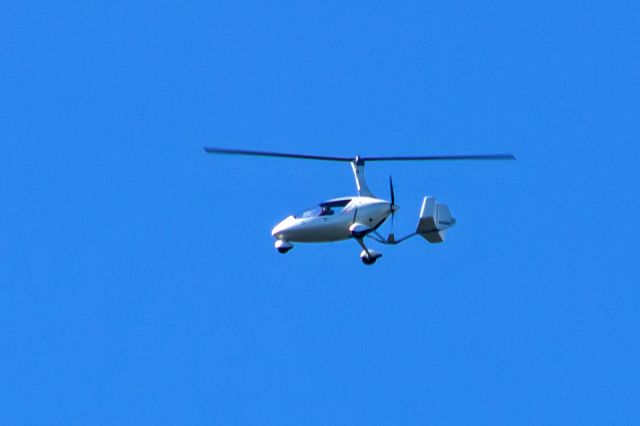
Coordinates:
283 246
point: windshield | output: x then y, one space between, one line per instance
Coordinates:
327 208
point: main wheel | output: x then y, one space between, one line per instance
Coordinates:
369 260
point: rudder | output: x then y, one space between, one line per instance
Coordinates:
434 220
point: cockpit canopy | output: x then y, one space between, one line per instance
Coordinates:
326 208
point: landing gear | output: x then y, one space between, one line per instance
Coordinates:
283 246
368 256
369 260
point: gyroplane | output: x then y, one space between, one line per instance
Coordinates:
359 216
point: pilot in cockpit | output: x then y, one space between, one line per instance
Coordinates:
326 211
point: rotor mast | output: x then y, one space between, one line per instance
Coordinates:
357 165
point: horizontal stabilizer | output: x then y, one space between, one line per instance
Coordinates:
435 219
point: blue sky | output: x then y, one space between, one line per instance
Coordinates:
139 280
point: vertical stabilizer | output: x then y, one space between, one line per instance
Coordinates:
434 220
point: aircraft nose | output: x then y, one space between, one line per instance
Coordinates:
281 228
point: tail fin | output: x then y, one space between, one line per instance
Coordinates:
435 219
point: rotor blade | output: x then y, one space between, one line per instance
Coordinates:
213 150
443 157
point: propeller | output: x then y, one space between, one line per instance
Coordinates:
393 195
392 206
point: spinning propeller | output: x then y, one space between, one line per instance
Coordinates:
393 208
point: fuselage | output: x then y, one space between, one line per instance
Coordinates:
331 220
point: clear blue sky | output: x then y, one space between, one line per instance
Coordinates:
138 279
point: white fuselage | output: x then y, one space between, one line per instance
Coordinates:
370 212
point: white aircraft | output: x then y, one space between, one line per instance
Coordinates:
361 215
